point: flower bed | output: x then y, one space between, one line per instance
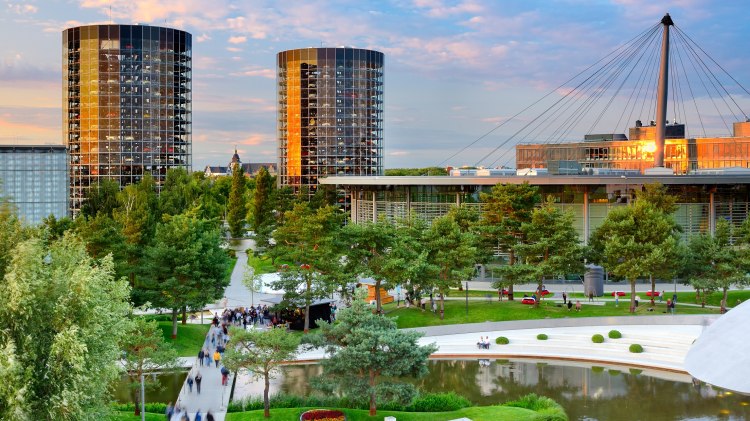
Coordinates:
322 415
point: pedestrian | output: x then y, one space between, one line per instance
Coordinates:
570 304
169 411
661 297
591 297
617 299
198 416
201 356
217 357
210 416
198 380
190 383
224 375
578 305
565 297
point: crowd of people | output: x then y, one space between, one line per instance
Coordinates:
484 342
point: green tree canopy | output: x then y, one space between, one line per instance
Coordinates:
185 265
61 318
179 193
260 353
367 355
101 198
237 205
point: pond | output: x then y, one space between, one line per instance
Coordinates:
587 392
170 385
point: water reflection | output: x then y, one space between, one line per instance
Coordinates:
587 393
170 385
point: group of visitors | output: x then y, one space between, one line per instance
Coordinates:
245 316
484 342
178 413
578 305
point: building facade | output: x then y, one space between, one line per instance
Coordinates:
330 115
34 180
126 104
250 169
682 155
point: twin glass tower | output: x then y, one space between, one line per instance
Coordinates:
330 115
126 104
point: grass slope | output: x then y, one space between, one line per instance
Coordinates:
190 337
494 311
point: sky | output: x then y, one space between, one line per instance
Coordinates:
454 68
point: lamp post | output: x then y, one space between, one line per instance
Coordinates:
467 298
625 180
143 399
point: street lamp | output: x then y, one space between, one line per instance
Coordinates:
625 180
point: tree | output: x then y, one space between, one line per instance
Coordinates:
144 352
367 354
306 238
12 232
101 198
506 208
452 252
260 353
237 206
551 247
62 317
185 265
179 193
260 208
252 282
714 263
637 240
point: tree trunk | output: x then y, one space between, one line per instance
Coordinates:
307 307
724 301
442 306
137 401
511 262
174 323
632 295
539 291
184 315
373 408
653 289
377 297
266 403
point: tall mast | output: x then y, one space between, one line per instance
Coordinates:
661 98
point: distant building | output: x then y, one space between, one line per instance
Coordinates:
127 93
34 179
250 169
330 115
617 152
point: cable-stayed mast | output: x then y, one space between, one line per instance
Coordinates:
662 94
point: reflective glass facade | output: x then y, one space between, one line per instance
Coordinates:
126 104
34 179
330 115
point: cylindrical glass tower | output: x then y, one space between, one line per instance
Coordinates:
330 114
126 104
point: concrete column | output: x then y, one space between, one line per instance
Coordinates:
408 202
586 222
355 201
711 214
458 199
374 206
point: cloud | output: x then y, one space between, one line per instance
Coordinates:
22 9
203 38
257 72
15 67
234 49
438 8
237 40
398 153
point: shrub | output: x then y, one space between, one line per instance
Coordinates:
597 369
636 348
635 371
542 336
439 402
323 414
614 372
153 407
597 339
615 334
502 340
546 408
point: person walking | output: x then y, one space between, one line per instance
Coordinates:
169 411
224 376
210 416
198 416
217 358
565 297
190 383
198 380
201 356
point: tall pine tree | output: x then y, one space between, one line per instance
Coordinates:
237 207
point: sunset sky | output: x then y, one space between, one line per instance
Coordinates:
454 69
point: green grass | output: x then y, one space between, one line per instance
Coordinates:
128 416
190 337
230 269
498 413
262 264
482 311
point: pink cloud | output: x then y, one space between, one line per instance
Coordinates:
237 40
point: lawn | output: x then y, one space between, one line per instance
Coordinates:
498 413
128 416
190 337
261 264
493 311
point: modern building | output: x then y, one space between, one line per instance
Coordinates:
34 180
618 152
330 115
249 168
126 104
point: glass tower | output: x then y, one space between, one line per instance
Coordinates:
330 115
126 104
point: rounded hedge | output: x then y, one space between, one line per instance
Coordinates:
542 336
597 339
615 334
502 340
636 348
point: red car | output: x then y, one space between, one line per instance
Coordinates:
528 300
619 293
653 293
